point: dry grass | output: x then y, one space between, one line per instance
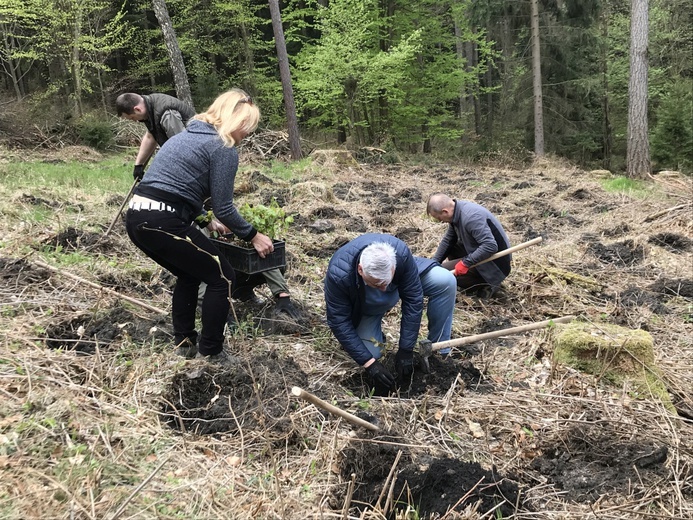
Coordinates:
82 436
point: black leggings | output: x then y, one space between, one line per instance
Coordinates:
180 247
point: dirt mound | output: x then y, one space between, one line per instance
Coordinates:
636 297
87 331
672 242
17 272
622 254
208 399
72 239
591 461
451 485
676 287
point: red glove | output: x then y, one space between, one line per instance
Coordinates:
460 269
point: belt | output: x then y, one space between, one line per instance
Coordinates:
139 203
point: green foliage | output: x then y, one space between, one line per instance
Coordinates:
625 185
270 220
672 142
96 132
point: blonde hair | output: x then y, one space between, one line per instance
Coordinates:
231 111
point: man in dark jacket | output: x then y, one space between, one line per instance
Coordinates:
473 235
365 279
163 115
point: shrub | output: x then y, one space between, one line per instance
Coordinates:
95 132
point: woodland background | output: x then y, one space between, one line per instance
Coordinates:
447 77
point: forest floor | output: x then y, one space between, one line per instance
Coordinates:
100 420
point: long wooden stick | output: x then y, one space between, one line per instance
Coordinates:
100 287
505 252
498 333
298 392
120 209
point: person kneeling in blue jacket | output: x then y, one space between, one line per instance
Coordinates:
365 279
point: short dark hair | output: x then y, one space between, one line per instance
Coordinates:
126 103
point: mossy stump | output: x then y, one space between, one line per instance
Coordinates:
614 354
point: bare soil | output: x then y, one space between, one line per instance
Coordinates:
495 430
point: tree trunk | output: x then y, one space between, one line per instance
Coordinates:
13 69
285 73
536 83
638 152
76 65
180 76
459 50
607 139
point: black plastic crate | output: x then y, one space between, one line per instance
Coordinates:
246 259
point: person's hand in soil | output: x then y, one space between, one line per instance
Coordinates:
380 375
262 244
218 227
404 363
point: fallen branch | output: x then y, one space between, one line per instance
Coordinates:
658 214
100 287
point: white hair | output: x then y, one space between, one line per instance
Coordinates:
378 261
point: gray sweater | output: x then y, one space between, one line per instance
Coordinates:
479 232
194 166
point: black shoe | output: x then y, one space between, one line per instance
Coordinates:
284 305
186 349
485 292
222 358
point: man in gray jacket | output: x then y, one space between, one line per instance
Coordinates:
473 235
163 115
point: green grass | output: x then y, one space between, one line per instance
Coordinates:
634 188
112 174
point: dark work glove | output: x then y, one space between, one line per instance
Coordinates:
404 362
380 376
138 172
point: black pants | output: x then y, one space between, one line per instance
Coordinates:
180 247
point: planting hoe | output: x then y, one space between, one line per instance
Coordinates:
426 348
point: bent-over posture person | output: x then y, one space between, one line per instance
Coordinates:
473 235
195 165
163 115
365 279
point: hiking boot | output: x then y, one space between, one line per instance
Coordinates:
485 292
186 349
222 358
284 305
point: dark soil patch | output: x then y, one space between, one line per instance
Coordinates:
442 375
123 283
623 254
672 242
72 239
408 234
493 324
442 485
17 272
282 196
522 185
267 319
636 297
670 288
617 231
590 461
345 191
84 332
115 200
209 399
38 201
326 250
329 212
580 194
410 194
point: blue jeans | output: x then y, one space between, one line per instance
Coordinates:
440 286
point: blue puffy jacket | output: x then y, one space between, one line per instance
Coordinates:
345 293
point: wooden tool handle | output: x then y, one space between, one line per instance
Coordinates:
298 392
498 333
505 252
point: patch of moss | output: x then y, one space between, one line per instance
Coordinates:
612 353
